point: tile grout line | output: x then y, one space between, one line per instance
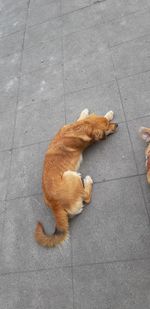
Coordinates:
15 117
107 20
11 33
63 62
83 88
143 195
86 28
95 183
63 77
80 265
130 40
141 11
33 270
105 83
126 122
65 121
105 23
113 261
15 110
49 140
130 260
43 141
45 21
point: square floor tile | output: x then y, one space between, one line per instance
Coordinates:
39 122
5 157
20 251
7 122
135 92
41 13
47 31
114 227
115 286
111 158
125 28
45 289
138 144
82 19
87 61
42 55
99 100
37 86
26 170
132 57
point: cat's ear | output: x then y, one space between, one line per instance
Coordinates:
145 134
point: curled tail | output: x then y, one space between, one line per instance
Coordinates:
60 234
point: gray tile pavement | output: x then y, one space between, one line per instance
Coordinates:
118 8
13 16
26 170
56 58
37 290
135 93
19 252
114 227
73 5
47 31
82 19
8 94
100 99
125 28
6 130
114 285
41 85
9 69
132 57
32 128
11 44
42 12
2 208
5 159
42 55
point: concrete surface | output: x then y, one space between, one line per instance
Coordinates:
56 58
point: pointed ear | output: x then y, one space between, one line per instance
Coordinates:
145 134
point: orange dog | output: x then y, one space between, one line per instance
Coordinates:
145 134
63 188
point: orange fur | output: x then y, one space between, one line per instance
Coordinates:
145 134
62 187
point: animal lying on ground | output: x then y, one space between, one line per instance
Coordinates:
64 190
145 134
